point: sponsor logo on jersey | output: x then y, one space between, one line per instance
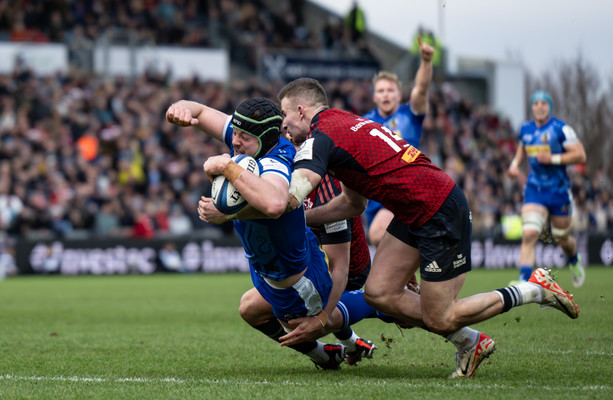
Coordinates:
460 261
270 164
535 149
305 152
337 226
432 267
411 154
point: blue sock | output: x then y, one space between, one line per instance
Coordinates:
354 308
524 272
573 259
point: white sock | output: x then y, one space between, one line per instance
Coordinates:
530 292
350 343
318 354
464 338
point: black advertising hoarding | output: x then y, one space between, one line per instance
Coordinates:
131 256
289 66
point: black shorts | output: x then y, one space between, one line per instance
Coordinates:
443 242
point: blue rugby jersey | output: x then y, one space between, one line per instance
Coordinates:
550 138
276 248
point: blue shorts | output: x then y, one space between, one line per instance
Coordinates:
444 242
558 202
372 208
307 297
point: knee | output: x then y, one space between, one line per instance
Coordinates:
439 325
248 310
530 237
376 297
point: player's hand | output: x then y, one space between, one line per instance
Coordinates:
305 329
215 165
426 51
180 116
209 213
513 171
544 157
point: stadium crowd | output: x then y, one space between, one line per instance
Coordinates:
84 154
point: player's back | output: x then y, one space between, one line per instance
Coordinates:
370 159
403 123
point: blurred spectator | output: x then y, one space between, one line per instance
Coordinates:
81 153
170 258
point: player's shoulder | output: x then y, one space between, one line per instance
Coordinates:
530 124
405 108
557 123
280 158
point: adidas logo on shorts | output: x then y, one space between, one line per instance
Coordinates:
432 267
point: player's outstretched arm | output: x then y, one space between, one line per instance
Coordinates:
190 113
423 77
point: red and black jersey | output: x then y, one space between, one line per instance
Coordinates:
370 159
349 230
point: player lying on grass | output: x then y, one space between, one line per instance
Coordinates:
287 267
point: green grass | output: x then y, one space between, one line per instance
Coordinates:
180 337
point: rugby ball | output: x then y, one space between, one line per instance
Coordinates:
226 197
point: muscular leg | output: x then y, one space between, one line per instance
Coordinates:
254 309
385 288
436 307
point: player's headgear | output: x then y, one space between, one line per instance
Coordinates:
261 118
544 96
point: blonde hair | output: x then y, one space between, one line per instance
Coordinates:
388 76
306 89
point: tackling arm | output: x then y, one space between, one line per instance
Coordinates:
338 263
348 204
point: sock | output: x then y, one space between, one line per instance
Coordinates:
573 260
524 293
464 338
349 342
274 330
344 334
530 292
318 353
511 297
524 272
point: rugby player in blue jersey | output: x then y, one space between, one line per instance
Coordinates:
403 119
550 145
287 267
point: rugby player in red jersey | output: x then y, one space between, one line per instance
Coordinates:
431 229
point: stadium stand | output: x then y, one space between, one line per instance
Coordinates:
91 156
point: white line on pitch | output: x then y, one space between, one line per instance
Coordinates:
466 385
